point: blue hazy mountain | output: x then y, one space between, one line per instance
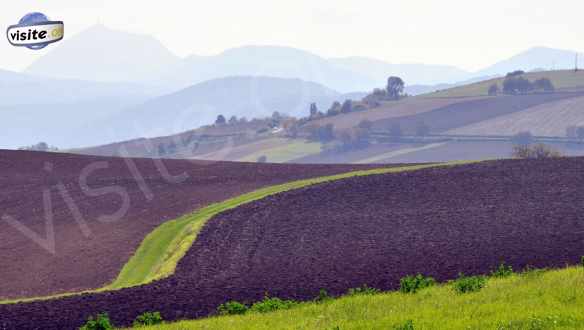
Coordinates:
103 54
269 61
537 58
201 103
412 74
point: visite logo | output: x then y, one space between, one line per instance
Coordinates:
35 31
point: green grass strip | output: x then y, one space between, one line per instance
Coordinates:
552 299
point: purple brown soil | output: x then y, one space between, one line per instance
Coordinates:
367 230
89 253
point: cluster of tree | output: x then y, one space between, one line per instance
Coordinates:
233 120
524 147
515 84
41 146
335 109
535 151
348 140
323 134
394 90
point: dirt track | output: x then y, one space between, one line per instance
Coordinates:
368 230
88 256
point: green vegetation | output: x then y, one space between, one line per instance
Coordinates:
272 304
148 319
531 300
502 271
102 322
232 308
467 284
413 284
362 290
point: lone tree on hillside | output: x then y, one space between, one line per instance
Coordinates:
395 87
220 120
313 110
517 85
347 106
544 84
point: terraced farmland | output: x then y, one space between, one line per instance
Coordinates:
367 230
87 251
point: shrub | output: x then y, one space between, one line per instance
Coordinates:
147 319
407 325
502 271
272 304
102 322
493 90
363 290
538 151
466 284
412 284
323 296
232 308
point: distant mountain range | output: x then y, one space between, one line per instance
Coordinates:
102 78
102 54
537 58
201 103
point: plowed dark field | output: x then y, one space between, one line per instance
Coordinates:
88 252
368 230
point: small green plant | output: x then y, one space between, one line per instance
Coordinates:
412 284
363 290
502 271
101 322
232 308
272 304
466 284
582 261
323 296
407 325
148 319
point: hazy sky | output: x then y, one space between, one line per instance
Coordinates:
467 34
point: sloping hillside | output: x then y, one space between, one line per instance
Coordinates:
335 236
550 119
562 80
100 210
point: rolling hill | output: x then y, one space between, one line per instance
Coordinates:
87 241
235 256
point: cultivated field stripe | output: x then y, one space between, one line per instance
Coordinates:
160 252
158 255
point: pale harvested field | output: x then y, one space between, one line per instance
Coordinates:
550 119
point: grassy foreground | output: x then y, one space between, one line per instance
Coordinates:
533 300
